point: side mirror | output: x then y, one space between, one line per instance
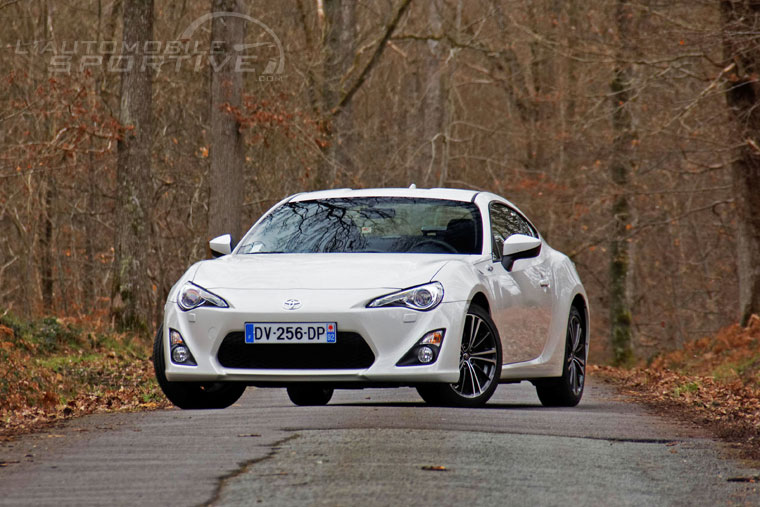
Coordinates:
221 245
519 246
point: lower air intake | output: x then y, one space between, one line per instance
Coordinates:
349 352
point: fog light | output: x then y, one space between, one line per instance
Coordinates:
425 354
180 354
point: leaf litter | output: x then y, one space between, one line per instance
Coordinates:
713 381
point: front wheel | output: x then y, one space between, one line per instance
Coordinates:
193 395
567 390
479 365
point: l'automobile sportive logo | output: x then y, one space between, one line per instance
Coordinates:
261 52
261 39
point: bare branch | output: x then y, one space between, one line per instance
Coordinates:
8 4
373 61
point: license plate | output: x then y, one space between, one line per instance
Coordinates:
290 332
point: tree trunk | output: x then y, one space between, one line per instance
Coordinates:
434 97
89 232
340 48
46 243
226 182
49 184
620 169
92 201
131 302
741 21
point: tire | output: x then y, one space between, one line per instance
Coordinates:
479 365
310 395
193 395
567 390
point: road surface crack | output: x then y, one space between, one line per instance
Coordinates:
617 440
243 468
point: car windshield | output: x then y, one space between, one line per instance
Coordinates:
368 224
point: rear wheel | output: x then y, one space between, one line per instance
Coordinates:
567 390
479 365
193 395
310 395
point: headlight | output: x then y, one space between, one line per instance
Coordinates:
192 296
425 297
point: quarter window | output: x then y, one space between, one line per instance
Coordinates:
505 222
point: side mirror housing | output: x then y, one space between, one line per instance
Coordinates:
519 246
221 245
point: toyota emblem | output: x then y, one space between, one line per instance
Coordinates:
291 304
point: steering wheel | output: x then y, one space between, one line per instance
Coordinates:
436 242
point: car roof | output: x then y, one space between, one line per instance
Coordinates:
453 194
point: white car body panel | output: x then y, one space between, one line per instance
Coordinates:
318 271
530 304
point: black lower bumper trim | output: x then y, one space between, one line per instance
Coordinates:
349 352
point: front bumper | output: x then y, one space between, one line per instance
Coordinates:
389 332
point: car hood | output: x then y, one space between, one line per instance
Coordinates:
318 271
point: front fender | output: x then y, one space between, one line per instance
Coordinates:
462 280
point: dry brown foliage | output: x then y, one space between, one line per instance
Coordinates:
714 381
40 386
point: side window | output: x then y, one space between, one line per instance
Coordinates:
504 222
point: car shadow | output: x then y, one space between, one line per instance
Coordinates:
415 404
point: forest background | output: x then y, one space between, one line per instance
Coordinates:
626 129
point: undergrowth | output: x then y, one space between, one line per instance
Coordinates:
52 369
714 381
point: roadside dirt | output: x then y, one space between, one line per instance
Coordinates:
730 412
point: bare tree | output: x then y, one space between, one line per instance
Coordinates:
47 204
620 170
340 52
226 188
741 23
130 305
434 99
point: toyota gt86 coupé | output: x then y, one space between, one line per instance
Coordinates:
449 291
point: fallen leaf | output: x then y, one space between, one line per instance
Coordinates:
435 468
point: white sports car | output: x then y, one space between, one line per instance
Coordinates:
449 291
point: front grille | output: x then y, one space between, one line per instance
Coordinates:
349 352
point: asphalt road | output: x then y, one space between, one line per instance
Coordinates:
376 447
